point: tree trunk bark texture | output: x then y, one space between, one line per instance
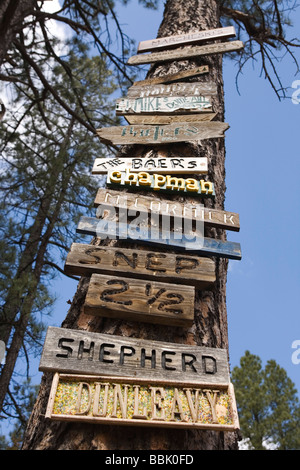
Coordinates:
210 325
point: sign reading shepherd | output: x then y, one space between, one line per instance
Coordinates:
84 352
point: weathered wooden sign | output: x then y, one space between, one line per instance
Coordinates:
185 39
173 89
151 165
84 352
159 182
168 118
140 300
173 77
140 263
123 401
163 105
162 134
186 53
151 204
160 238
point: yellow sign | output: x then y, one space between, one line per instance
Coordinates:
139 402
158 182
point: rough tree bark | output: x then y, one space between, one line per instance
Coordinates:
210 326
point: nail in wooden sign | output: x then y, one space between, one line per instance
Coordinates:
185 39
163 183
186 53
168 118
173 89
175 268
162 134
108 199
163 105
84 352
162 165
163 239
173 77
140 300
133 402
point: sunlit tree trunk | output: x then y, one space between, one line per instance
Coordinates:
210 325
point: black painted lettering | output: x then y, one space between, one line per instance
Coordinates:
151 358
103 352
185 263
209 365
190 362
165 360
152 263
68 349
123 353
131 262
89 350
108 292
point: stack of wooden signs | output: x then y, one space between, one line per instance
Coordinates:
102 378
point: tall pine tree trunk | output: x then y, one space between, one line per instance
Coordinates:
210 325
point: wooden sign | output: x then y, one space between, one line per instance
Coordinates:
162 239
140 300
186 53
162 165
159 182
185 39
173 89
162 134
84 352
143 264
163 105
164 207
133 402
168 118
173 77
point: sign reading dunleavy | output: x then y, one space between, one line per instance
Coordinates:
83 352
162 134
185 39
197 165
123 401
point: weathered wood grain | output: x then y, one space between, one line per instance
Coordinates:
138 402
173 77
85 259
163 239
165 207
185 39
173 89
163 105
140 300
186 53
162 165
84 352
162 134
160 183
168 119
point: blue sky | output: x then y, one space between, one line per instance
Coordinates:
262 170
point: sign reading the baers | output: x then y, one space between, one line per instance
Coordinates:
84 352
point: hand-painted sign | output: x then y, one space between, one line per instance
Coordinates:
185 39
159 238
140 300
186 53
168 118
163 105
162 134
151 165
173 77
159 182
142 264
173 89
164 207
113 400
84 352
